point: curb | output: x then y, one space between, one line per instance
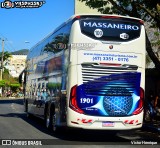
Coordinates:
10 98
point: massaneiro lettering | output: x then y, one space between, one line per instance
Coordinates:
110 25
112 29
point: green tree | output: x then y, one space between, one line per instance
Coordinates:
6 74
148 10
2 83
9 82
5 56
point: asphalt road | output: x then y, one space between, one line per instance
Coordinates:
14 125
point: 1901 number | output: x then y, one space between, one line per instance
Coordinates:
86 100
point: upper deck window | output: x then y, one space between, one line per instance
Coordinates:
114 29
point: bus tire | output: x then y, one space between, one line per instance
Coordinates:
53 119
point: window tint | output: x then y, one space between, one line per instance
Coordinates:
110 29
53 43
58 40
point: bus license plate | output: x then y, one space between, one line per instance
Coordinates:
108 124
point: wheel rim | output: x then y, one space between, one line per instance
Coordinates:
47 121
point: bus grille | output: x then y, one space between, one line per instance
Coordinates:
115 84
93 71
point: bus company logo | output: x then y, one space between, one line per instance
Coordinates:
98 33
60 46
21 4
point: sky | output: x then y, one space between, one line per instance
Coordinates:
22 28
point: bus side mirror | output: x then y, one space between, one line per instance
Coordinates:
22 77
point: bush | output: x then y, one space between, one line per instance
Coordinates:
2 83
14 87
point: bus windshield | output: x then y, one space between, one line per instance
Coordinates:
114 29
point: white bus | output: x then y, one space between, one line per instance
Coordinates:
89 73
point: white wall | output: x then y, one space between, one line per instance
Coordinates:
81 8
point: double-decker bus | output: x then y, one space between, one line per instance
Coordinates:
89 73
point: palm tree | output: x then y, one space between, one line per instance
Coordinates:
6 55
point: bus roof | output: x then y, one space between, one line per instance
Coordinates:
99 15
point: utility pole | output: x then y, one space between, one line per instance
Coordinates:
1 77
1 74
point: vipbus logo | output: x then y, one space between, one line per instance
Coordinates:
21 4
7 4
